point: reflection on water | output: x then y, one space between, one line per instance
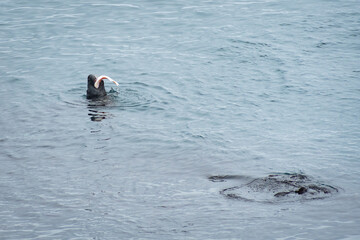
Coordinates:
97 116
94 105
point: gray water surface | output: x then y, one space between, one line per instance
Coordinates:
207 88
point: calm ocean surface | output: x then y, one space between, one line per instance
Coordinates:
207 88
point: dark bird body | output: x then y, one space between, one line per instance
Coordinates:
92 92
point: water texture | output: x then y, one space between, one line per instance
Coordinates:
207 88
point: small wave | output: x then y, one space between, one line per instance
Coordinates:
224 178
123 97
249 42
130 98
116 5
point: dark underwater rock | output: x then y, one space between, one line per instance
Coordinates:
276 187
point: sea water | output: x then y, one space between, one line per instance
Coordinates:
207 88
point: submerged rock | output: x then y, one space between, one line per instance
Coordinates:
277 187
